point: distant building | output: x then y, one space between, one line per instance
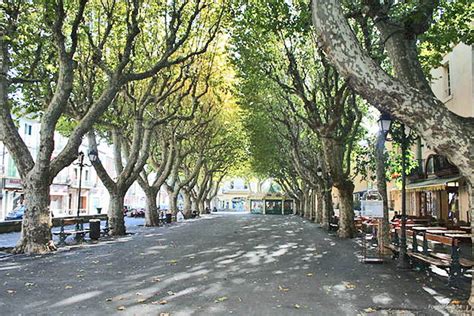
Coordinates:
260 197
65 187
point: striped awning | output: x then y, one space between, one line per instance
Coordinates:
436 184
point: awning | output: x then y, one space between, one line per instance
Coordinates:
436 184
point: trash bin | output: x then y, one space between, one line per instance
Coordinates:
168 218
94 229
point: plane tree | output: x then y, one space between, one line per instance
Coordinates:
301 72
42 46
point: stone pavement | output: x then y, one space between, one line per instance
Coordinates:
218 265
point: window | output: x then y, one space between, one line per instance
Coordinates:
447 80
28 128
12 171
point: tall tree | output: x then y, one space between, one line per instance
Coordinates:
42 45
408 96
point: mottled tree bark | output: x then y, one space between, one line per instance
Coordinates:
173 197
318 199
36 230
334 152
328 209
307 208
151 212
346 209
187 207
115 214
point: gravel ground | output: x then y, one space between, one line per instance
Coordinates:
218 265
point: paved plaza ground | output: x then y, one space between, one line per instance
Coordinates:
218 265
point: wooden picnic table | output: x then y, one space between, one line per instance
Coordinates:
425 228
444 232
421 220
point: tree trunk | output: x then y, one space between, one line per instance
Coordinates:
187 207
328 209
201 207
306 209
296 211
318 199
384 234
346 209
36 227
115 213
151 211
173 203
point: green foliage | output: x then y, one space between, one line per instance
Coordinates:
452 25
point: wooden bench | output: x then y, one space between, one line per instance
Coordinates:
452 263
79 232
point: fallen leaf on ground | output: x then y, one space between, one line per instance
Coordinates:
455 302
173 261
121 308
108 299
369 310
163 302
220 299
350 286
29 284
156 280
171 293
309 274
283 289
11 291
141 300
297 306
68 287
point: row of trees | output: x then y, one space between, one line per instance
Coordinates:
307 89
148 78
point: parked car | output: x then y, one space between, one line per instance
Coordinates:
16 213
139 212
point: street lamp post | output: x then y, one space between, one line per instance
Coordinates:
92 157
385 122
403 261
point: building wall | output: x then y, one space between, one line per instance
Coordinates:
461 98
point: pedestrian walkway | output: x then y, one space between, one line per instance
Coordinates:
216 265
